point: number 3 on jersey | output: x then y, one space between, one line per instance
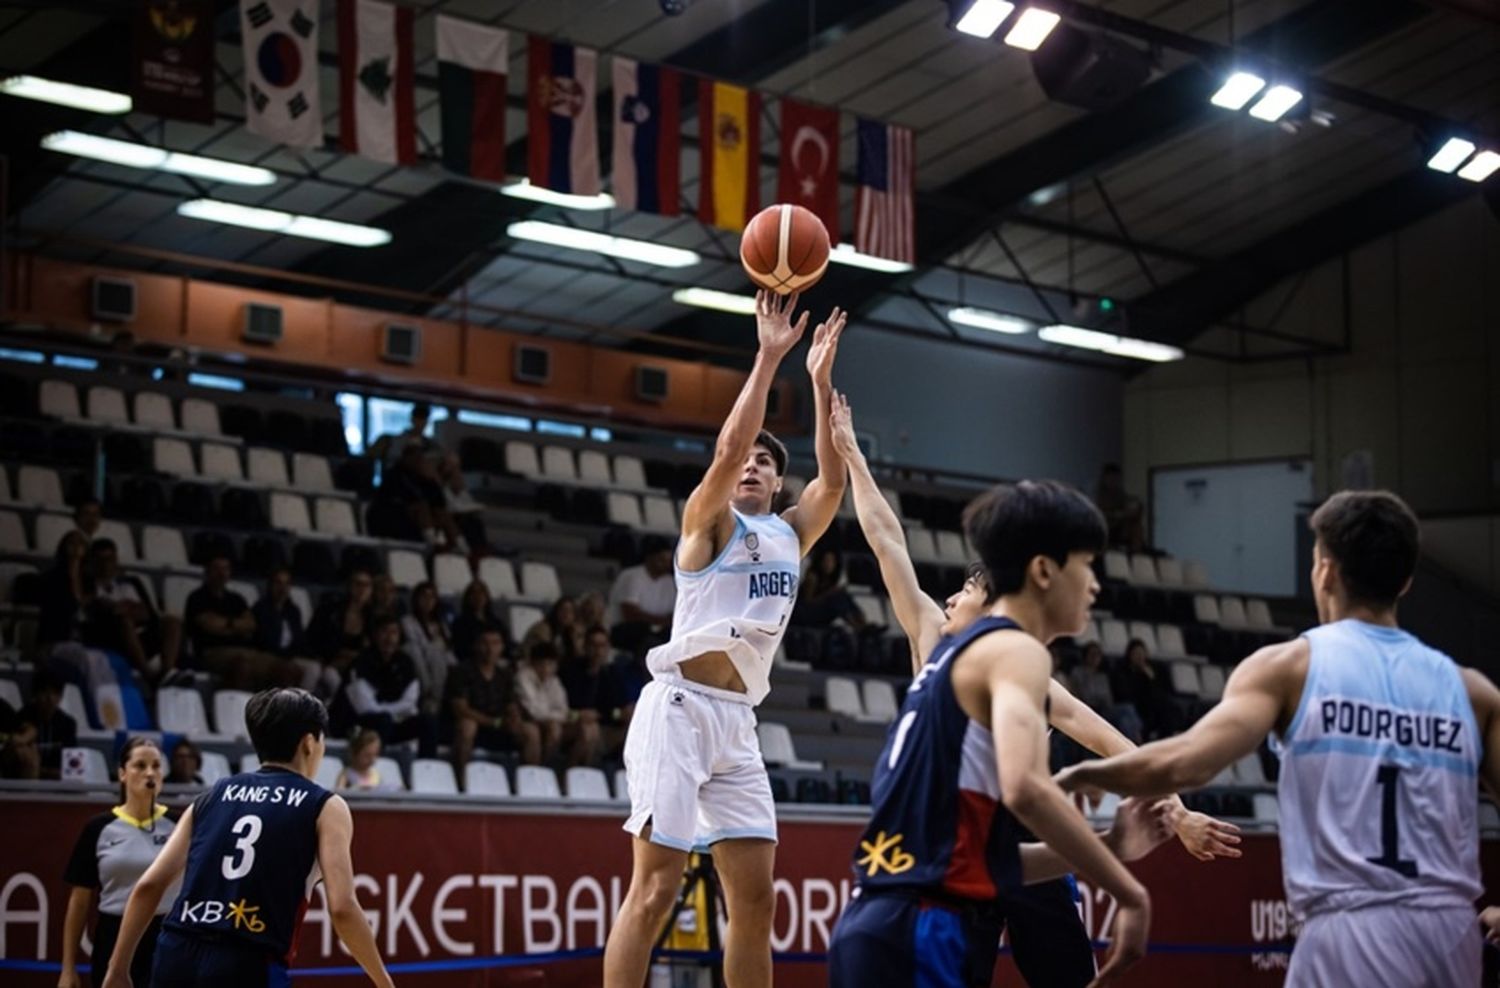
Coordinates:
247 828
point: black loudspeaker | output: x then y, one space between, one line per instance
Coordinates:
401 343
533 364
113 299
1087 69
651 384
262 323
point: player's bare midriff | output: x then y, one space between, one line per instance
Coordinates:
713 669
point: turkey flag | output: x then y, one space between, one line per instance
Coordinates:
809 171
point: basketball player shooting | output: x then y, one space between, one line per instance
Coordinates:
1383 742
692 760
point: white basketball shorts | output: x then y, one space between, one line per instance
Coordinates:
694 768
1394 946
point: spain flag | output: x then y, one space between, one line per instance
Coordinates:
729 150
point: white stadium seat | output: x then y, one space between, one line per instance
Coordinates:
433 776
587 783
486 779
537 782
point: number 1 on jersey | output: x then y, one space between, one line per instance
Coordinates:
247 828
1388 778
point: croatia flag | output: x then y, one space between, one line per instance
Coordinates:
647 142
376 113
729 148
472 62
562 140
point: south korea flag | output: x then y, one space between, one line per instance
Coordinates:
281 70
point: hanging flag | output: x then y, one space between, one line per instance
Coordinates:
883 225
377 117
648 142
174 59
280 39
729 147
562 140
809 170
472 62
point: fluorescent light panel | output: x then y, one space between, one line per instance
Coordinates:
133 155
1118 346
985 319
708 298
1031 29
845 254
1275 103
66 94
983 18
1481 168
1238 90
602 243
290 224
535 193
1451 154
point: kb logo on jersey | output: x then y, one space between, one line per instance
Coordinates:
752 542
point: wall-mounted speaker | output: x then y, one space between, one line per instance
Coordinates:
400 343
262 323
113 299
533 364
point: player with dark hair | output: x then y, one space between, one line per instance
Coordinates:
248 853
1383 743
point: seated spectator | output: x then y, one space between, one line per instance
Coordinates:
586 680
55 729
560 627
19 758
339 632
223 635
362 774
88 517
592 609
279 628
1143 685
545 701
1125 514
642 598
187 764
475 617
823 597
429 645
620 687
467 513
64 592
122 618
385 598
385 694
1089 681
389 447
412 486
482 702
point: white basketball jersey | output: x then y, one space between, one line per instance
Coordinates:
1379 782
739 604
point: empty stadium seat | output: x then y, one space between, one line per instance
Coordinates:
1169 572
624 509
777 749
1211 683
289 513
537 782
406 568
1088 634
154 411
433 776
1105 811
1258 615
587 783
310 472
50 529
657 515
793 486
499 576
175 591
40 486
215 767
1489 816
622 786
58 399
335 516
1232 612
106 405
843 697
921 545
1116 565
630 474
328 771
266 466
1205 609
1185 678
85 765
303 600
1248 771
200 417
486 779
872 607
390 771
164 547
558 464
72 705
1143 571
10 692
539 582
593 468
1267 808
229 712
220 462
521 617
451 573
951 548
1114 637
180 711
1169 642
173 457
521 458
5 494
1194 574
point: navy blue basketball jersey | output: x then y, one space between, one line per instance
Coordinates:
938 825
252 861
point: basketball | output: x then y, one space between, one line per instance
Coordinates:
785 249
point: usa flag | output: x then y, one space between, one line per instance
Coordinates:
883 213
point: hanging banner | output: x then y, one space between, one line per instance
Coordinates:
172 65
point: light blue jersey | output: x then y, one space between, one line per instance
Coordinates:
1379 778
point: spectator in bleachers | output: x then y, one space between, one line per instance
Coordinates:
642 597
19 757
279 627
467 513
223 634
122 617
64 591
428 642
1125 514
592 609
562 628
485 710
411 486
55 729
475 617
339 630
385 598
362 774
1144 685
385 694
587 682
187 764
389 447
1089 681
545 701
624 678
88 516
823 597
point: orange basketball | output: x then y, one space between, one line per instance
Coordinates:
785 249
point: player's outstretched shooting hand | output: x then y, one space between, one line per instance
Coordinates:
825 347
773 322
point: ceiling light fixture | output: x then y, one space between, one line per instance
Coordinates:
1238 90
985 319
1275 103
984 17
288 224
1481 167
535 193
708 298
1032 28
845 254
133 155
1452 154
1117 346
66 94
602 243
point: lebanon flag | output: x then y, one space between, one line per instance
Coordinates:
280 39
729 148
376 113
562 143
647 142
809 171
471 77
